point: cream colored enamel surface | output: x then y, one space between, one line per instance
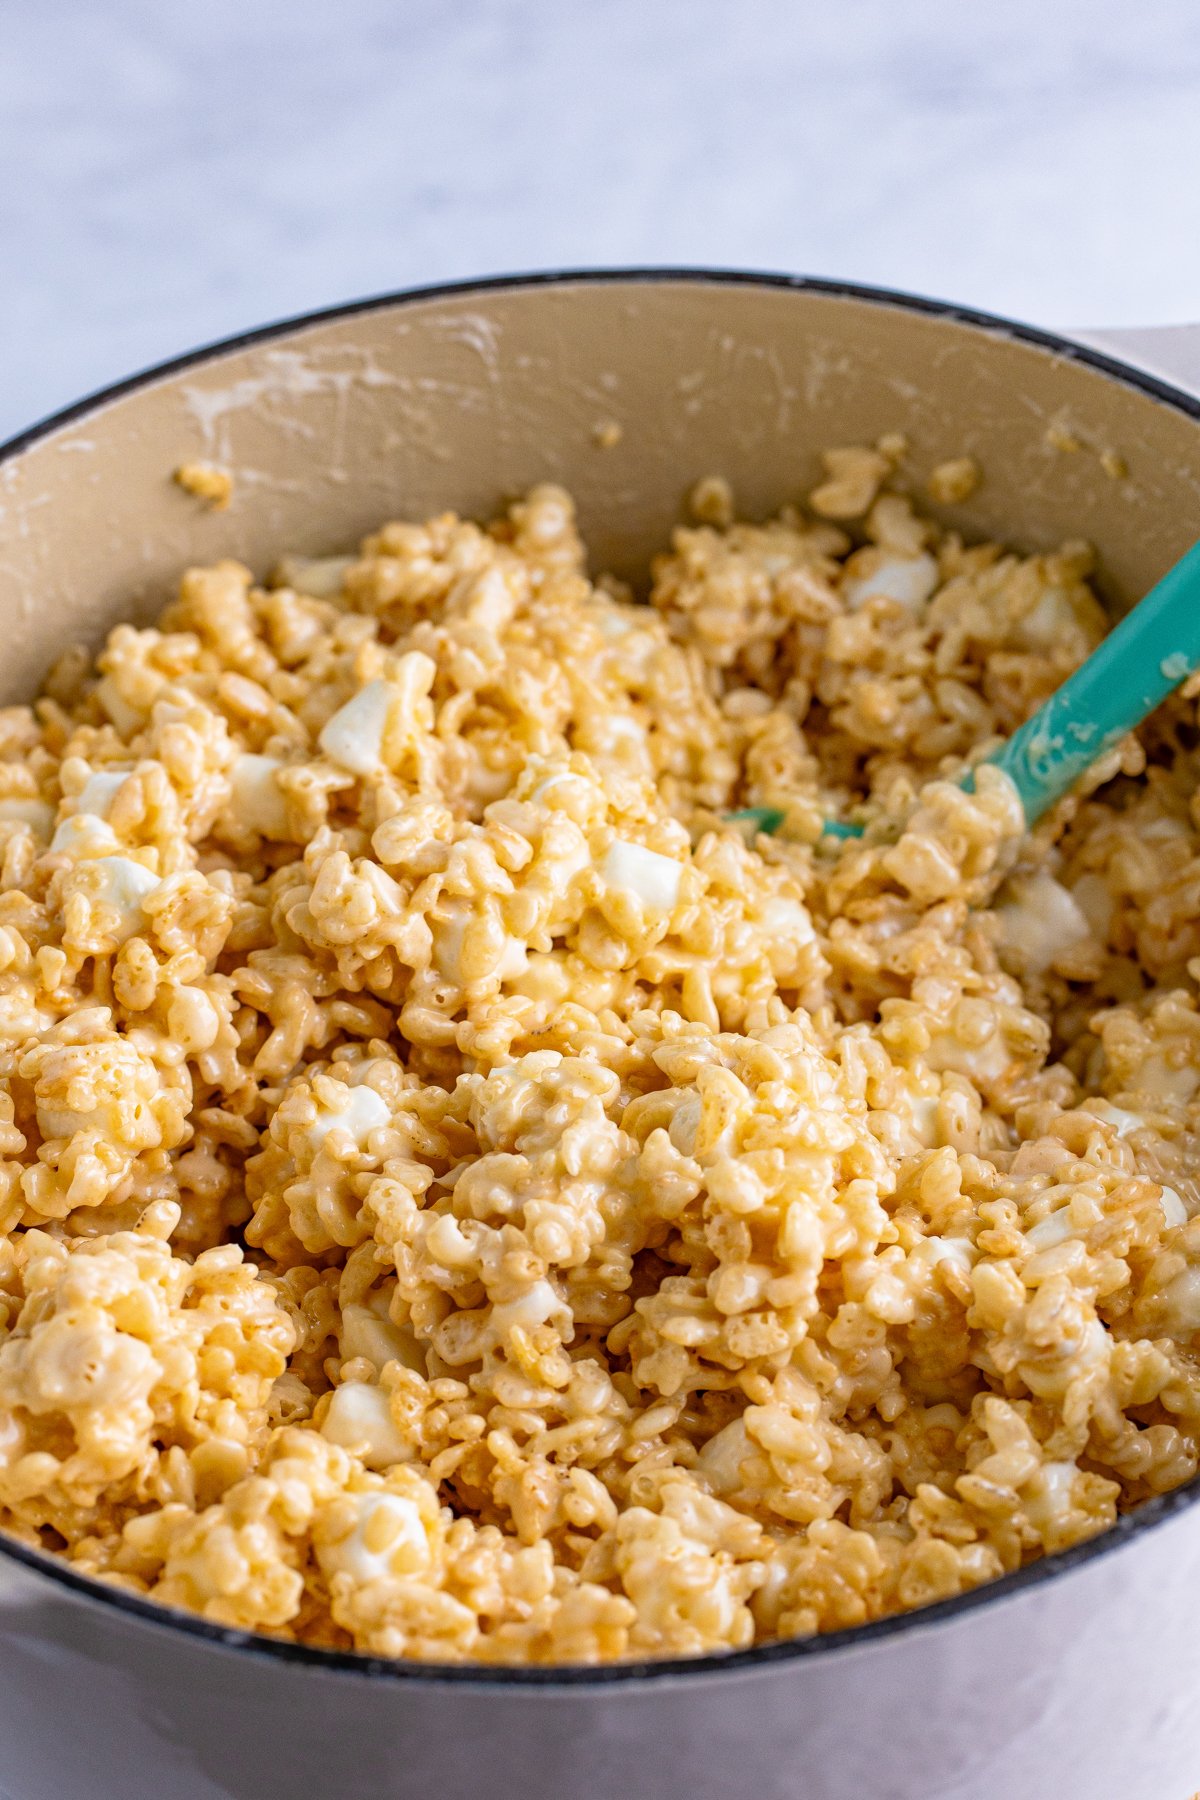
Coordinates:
1100 1666
465 398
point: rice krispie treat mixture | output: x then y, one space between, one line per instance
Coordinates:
462 1197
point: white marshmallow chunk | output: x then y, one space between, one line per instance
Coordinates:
125 718
1183 1302
979 1062
100 790
124 885
925 1119
1122 1122
369 1331
514 960
538 1306
1051 1497
388 1538
1040 921
957 1250
448 935
1051 618
84 834
256 800
1054 1229
360 1420
353 737
321 577
652 878
360 1113
1174 1211
909 579
1166 1082
720 1461
789 919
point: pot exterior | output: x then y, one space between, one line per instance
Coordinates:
1083 1687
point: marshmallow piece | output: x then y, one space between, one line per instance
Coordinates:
1183 1302
20 1018
615 621
1051 618
978 1062
360 1113
569 797
368 1331
353 737
486 600
100 790
320 577
123 885
360 1420
653 879
546 787
1051 1498
514 960
127 721
84 834
1040 922
256 801
909 579
721 1459
1174 1211
788 919
616 737
1163 831
957 1250
86 831
448 936
1122 1122
1054 1229
1166 1082
539 1305
388 1538
924 1124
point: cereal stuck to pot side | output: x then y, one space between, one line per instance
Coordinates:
207 481
462 1197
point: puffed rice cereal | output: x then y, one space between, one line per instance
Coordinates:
463 1196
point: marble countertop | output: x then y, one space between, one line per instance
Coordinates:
175 173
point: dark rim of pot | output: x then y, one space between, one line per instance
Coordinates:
257 1644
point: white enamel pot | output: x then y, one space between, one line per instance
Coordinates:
1077 1678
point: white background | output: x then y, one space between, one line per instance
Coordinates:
171 171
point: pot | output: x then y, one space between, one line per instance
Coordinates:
1078 1676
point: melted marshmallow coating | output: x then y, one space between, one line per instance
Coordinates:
463 1198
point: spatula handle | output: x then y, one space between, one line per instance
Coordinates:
1140 662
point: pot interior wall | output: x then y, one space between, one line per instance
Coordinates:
464 399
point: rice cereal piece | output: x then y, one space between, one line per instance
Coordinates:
663 1236
116 1352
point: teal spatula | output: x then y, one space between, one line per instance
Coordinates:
1141 661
